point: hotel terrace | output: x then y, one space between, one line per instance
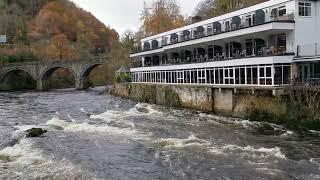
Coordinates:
271 44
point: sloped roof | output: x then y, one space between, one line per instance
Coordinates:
122 70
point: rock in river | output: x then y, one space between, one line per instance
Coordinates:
35 132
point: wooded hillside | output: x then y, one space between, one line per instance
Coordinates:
47 30
53 29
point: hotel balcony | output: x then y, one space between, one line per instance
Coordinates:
259 22
245 49
246 63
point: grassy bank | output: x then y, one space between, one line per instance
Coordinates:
299 109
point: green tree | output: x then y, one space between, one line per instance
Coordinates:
128 40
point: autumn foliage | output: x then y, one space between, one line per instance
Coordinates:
211 8
51 30
161 16
59 48
69 32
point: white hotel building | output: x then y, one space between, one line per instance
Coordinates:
271 44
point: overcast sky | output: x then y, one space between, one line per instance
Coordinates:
124 15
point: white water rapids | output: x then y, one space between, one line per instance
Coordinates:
92 136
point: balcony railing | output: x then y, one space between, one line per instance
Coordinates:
286 18
263 52
312 81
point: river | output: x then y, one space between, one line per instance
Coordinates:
94 136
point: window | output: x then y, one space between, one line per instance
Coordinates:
174 77
265 76
201 76
163 75
187 76
255 75
194 76
168 75
210 76
209 30
304 9
282 11
229 76
286 74
281 43
227 26
249 47
216 76
180 76
248 21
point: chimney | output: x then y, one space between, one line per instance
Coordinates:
196 19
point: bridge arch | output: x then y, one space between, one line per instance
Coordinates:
43 81
22 79
84 75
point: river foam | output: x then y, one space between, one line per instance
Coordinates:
22 161
103 129
172 143
262 152
193 141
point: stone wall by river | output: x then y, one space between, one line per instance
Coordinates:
260 105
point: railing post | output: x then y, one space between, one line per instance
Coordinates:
298 50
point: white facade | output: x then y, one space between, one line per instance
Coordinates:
254 46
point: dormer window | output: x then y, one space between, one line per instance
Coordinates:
155 44
305 9
146 46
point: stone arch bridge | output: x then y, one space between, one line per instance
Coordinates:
41 71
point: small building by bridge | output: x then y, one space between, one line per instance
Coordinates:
42 71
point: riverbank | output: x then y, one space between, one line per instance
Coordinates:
296 109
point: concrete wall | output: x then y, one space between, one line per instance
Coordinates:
223 101
207 99
198 98
121 90
278 106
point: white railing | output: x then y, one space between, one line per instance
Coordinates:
269 17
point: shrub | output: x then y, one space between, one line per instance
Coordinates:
122 77
117 79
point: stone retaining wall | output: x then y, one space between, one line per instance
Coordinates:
254 104
205 99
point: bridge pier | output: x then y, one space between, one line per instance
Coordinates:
39 85
42 85
82 83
